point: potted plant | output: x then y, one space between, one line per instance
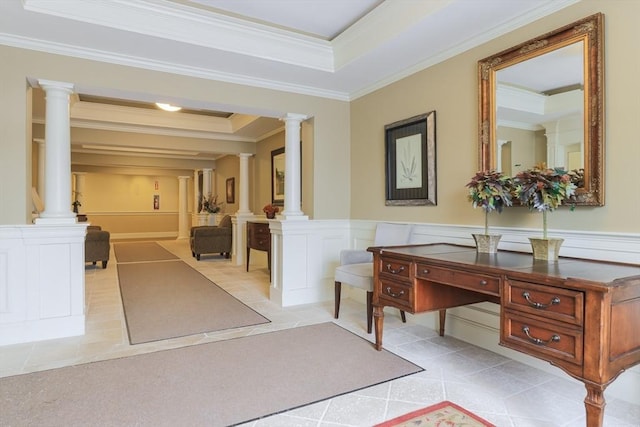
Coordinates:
210 204
76 204
544 190
492 191
271 210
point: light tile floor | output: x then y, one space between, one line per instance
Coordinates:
503 391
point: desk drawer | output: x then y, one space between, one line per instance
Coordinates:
553 303
547 340
394 294
477 282
261 243
395 268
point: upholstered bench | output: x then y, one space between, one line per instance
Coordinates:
96 245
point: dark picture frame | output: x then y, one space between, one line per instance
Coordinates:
231 190
410 161
277 177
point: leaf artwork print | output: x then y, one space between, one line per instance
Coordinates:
409 162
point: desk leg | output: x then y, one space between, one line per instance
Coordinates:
594 404
248 252
378 317
443 318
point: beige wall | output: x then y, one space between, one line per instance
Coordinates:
451 88
330 118
228 167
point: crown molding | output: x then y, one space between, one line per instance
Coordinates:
174 21
466 45
165 67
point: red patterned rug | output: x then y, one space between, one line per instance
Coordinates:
443 414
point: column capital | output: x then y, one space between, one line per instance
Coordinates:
52 84
183 177
245 155
294 117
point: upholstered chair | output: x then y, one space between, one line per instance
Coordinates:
207 239
96 245
356 265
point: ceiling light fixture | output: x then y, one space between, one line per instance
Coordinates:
168 107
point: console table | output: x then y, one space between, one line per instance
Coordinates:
577 314
259 238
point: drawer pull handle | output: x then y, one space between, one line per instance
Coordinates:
527 296
483 282
392 271
398 295
538 341
425 271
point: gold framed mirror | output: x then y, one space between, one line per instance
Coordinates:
542 103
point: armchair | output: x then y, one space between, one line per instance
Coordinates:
96 245
207 239
356 266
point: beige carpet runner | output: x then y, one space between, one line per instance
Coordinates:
171 299
217 384
141 251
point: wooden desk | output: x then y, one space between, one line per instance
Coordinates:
577 314
259 238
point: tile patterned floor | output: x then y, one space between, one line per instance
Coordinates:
503 391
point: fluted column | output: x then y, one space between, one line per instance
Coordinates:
292 202
243 206
183 218
57 209
41 169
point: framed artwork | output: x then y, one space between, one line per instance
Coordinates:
277 177
410 161
156 202
231 190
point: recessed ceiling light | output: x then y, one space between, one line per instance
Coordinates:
168 107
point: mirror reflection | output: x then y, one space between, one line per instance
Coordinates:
541 104
540 112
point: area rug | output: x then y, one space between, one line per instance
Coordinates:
439 415
217 384
170 299
141 252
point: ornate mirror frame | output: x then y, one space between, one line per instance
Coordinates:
590 31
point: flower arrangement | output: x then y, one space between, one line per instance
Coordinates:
490 190
210 204
270 210
544 190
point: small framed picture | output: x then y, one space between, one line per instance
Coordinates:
231 190
277 177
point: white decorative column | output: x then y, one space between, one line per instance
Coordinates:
196 195
79 189
57 209
41 169
243 207
206 183
243 214
292 202
183 218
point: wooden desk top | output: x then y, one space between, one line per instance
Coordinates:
602 273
